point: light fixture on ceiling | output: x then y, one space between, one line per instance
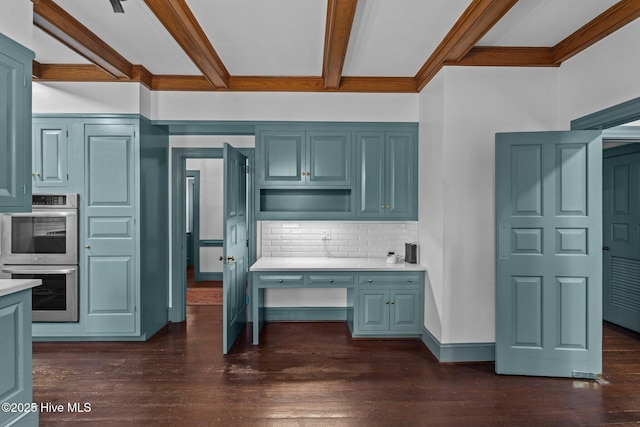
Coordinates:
117 6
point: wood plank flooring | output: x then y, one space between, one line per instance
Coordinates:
313 374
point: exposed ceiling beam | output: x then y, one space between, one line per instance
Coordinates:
611 20
287 84
51 18
477 19
178 19
495 56
340 14
74 73
36 69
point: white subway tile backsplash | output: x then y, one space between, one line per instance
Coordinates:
346 239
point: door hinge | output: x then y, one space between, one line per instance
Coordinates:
246 168
24 81
246 299
585 375
24 189
67 134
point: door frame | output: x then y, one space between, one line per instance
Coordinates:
179 156
195 231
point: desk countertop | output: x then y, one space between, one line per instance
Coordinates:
331 264
11 286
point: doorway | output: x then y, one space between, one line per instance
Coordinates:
621 230
179 246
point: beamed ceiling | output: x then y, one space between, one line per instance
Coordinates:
309 45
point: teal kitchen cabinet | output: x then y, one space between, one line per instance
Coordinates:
50 156
389 305
298 157
123 227
15 359
58 155
387 175
15 126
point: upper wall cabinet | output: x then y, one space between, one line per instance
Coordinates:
50 154
58 155
292 158
15 126
337 171
388 175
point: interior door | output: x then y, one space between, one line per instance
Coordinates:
235 246
621 234
549 246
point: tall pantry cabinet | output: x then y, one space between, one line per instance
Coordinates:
119 167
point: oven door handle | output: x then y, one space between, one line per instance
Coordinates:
27 271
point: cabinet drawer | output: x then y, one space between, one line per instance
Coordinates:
281 279
389 279
337 280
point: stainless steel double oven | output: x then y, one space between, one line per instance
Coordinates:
43 244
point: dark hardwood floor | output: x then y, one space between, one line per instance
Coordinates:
313 374
191 282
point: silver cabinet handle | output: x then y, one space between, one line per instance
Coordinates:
87 246
370 280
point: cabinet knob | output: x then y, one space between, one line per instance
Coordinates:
87 246
386 301
388 206
382 206
370 280
393 302
410 280
36 174
330 280
221 258
279 280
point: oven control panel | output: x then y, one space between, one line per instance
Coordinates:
54 200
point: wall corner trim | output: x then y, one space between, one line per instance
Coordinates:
459 352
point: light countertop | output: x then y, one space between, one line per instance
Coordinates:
331 264
11 286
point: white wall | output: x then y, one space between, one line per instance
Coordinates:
284 106
106 98
603 75
16 21
460 115
431 200
459 112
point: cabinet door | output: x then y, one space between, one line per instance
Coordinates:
281 158
370 179
15 357
328 158
50 154
373 310
405 311
401 172
109 254
15 131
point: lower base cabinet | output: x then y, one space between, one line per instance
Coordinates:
389 305
15 358
379 304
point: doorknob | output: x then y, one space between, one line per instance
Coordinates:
229 259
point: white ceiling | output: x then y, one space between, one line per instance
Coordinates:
543 22
286 37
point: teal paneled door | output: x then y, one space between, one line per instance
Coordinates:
235 249
549 257
109 235
621 238
401 172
